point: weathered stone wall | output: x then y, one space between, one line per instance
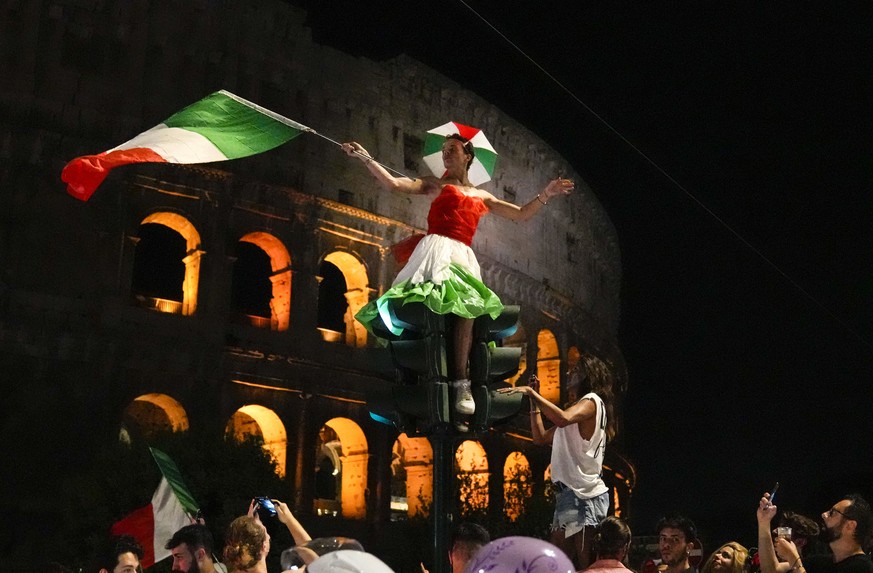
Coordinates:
84 76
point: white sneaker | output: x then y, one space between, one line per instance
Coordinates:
464 403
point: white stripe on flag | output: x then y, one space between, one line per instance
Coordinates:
169 516
175 145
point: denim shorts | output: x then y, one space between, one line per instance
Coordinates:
572 514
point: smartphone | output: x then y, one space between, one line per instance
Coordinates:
773 492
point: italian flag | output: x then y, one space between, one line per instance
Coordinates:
219 127
171 509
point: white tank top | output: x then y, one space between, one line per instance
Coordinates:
576 462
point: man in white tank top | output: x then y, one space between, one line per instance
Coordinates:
578 438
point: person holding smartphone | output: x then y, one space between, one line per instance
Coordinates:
578 436
847 526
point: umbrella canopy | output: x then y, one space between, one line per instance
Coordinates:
483 164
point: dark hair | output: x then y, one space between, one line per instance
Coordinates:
859 512
612 536
470 532
467 539
594 374
679 522
195 536
801 526
468 146
113 547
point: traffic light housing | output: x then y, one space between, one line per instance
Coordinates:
490 365
420 399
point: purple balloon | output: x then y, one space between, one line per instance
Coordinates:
520 555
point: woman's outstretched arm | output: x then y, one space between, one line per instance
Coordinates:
386 179
514 212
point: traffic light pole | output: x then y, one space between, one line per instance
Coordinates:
420 400
441 442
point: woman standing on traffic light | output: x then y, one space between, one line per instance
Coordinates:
442 272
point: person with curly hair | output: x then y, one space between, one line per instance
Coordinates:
578 436
247 544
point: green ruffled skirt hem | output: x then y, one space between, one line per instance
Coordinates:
462 294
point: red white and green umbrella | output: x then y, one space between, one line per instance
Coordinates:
483 164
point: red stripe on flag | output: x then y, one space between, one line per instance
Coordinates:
84 174
141 525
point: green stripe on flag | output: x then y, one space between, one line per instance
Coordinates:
236 129
170 470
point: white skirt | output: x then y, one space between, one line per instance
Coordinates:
430 261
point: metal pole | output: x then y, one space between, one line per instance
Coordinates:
441 442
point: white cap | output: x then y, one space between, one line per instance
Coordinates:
348 561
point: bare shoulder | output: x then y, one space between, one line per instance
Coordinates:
481 194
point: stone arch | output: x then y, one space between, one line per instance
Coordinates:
411 476
253 420
355 296
353 457
471 465
517 485
549 366
191 260
280 277
152 414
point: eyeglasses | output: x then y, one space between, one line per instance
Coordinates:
833 510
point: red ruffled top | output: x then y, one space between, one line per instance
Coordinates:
455 215
452 214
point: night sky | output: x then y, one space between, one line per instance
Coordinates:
731 147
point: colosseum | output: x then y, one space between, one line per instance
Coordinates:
221 295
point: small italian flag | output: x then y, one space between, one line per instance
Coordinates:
219 127
171 509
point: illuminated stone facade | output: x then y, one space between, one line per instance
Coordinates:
84 333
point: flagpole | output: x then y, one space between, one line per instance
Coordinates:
394 171
296 125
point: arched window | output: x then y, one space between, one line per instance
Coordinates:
166 265
549 366
342 291
517 485
411 477
471 465
152 414
264 425
342 455
261 288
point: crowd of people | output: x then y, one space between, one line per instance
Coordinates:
845 530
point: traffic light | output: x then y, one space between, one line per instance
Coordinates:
419 352
420 398
410 408
490 365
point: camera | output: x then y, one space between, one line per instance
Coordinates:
264 507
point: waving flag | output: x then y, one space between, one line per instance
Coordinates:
171 509
219 127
